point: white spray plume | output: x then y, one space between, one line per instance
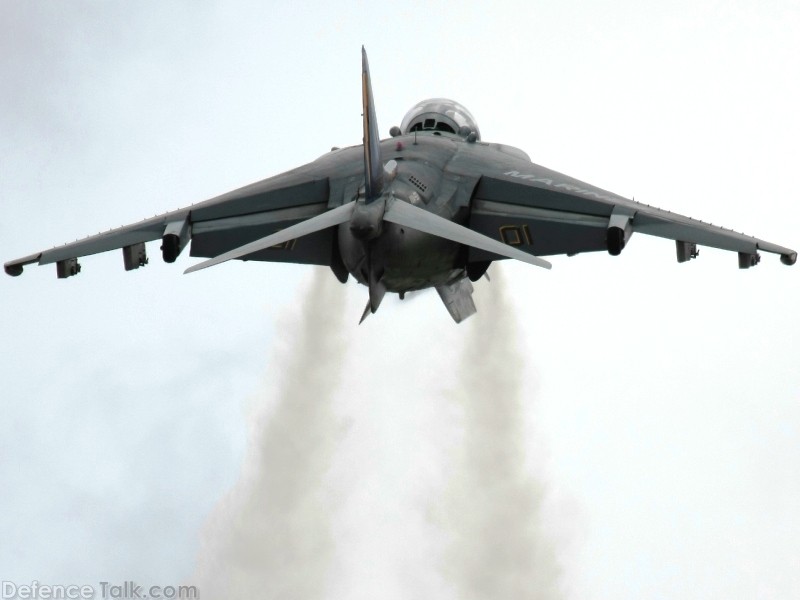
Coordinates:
270 536
492 505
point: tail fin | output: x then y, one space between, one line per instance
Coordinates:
373 165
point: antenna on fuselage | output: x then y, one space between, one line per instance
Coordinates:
373 165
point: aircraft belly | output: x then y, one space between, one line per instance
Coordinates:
404 259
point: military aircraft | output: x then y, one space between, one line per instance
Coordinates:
432 206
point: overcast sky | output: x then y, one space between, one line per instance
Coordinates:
662 401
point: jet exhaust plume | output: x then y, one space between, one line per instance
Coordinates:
270 536
492 505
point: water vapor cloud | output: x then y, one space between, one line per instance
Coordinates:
492 508
270 536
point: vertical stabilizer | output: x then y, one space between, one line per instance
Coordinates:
373 165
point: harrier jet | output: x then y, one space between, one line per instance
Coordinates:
432 206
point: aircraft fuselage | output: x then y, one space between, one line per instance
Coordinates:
432 206
405 259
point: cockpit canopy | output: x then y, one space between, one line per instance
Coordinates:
440 114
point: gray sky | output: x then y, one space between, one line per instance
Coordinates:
664 399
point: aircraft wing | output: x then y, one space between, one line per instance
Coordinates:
546 213
230 221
